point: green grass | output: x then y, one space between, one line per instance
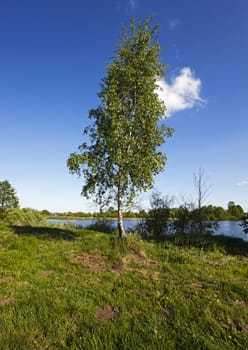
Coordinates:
62 288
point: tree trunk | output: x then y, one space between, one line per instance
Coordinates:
121 230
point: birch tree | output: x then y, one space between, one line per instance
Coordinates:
120 155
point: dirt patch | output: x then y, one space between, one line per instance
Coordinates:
243 328
107 313
139 258
1 245
142 270
6 278
6 301
95 262
23 284
142 273
240 303
168 311
47 273
98 263
118 268
196 285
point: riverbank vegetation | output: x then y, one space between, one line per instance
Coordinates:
65 288
211 212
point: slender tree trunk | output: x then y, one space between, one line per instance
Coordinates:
202 190
121 230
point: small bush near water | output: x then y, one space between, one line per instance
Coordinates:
189 220
244 224
66 288
21 217
104 226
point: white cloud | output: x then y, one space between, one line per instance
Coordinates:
182 93
173 23
242 183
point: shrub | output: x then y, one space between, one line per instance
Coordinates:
244 224
157 220
104 226
24 217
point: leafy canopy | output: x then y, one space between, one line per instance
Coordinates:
8 197
122 157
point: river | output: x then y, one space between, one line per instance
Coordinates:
227 228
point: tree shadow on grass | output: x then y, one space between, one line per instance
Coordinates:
46 232
206 242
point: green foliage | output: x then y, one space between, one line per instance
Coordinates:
214 213
200 223
183 220
235 211
157 220
122 155
8 197
104 226
46 212
244 223
22 217
161 219
210 213
218 214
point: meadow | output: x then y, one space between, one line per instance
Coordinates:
67 288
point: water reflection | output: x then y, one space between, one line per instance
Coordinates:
232 229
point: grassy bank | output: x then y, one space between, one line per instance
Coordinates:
62 288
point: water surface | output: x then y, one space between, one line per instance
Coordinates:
227 228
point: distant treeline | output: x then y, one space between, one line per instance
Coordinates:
209 212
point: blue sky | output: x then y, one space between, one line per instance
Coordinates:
53 56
